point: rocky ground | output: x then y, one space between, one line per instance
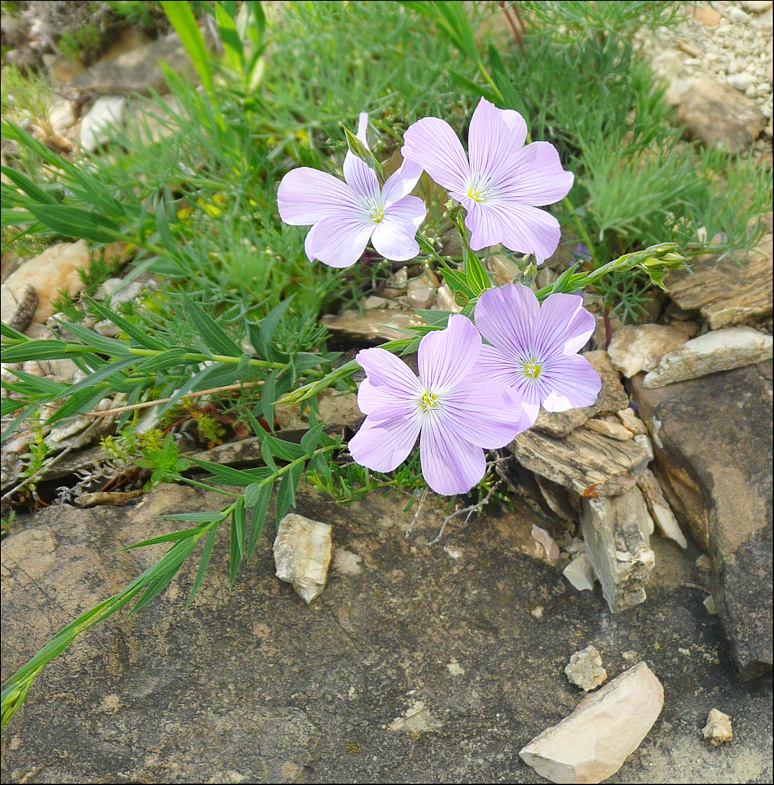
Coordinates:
416 664
438 663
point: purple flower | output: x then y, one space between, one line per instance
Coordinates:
534 348
502 184
453 409
345 216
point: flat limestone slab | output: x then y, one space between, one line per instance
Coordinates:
725 293
587 462
607 726
720 350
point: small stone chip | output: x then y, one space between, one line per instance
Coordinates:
718 728
585 669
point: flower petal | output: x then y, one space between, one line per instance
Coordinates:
579 330
500 367
338 240
570 381
505 317
535 176
484 223
390 382
493 140
401 183
383 444
394 235
306 196
450 465
447 356
360 177
551 329
487 415
527 229
431 143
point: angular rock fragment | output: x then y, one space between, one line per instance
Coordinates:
106 112
641 347
580 573
718 115
609 428
726 294
611 398
586 462
420 293
659 508
616 532
718 728
375 325
631 421
713 442
596 739
585 669
302 553
720 350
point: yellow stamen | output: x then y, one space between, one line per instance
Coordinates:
475 195
532 369
428 401
376 215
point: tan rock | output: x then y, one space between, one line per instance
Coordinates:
727 294
718 728
659 508
636 348
585 669
378 324
420 293
302 553
596 739
617 535
719 116
612 429
50 272
580 573
631 421
720 350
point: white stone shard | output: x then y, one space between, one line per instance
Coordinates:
585 669
719 350
632 422
596 739
718 728
302 553
659 508
615 430
640 348
580 573
107 111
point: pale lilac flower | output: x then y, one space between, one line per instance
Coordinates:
346 215
502 183
453 410
534 348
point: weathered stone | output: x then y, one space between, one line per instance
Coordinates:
713 445
302 553
611 398
107 111
136 71
585 669
725 293
641 347
719 116
616 532
580 573
586 462
596 739
415 719
420 293
659 508
55 269
720 350
632 422
718 728
609 428
376 325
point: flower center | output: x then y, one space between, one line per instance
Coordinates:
478 188
374 210
428 401
532 369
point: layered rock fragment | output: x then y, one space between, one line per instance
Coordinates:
302 553
607 726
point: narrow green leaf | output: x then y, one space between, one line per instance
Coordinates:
228 476
211 333
162 362
311 438
74 222
171 537
9 332
26 185
171 564
42 350
260 505
286 495
100 343
287 451
238 532
127 327
17 421
203 563
81 401
180 15
268 397
262 344
198 517
232 45
477 277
